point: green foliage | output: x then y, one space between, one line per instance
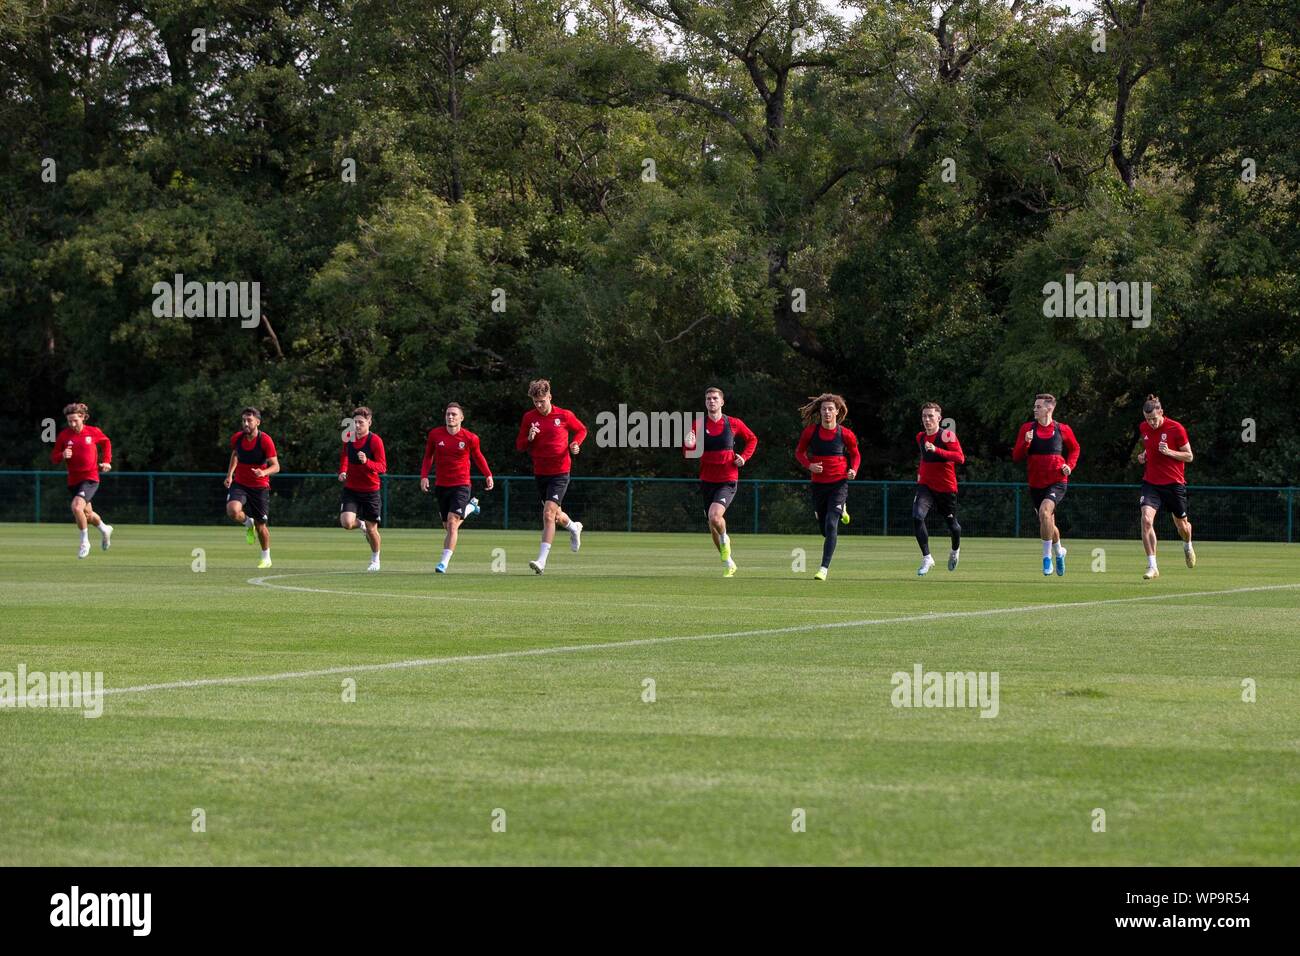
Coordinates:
912 174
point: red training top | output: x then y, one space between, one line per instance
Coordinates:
718 459
836 450
550 447
450 454
363 477
938 468
84 463
1161 469
254 454
1054 445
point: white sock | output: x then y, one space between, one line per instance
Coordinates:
1187 546
446 557
722 538
266 554
362 526
248 522
545 550
105 529
1047 549
374 555
1151 560
85 535
1060 548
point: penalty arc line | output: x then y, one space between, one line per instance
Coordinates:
653 641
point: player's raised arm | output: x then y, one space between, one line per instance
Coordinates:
1024 437
377 460
855 454
1071 449
952 452
801 449
527 432
751 441
577 431
105 448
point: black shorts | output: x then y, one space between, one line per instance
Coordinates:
84 489
1054 492
829 496
364 504
717 492
452 500
1171 497
927 500
256 501
552 487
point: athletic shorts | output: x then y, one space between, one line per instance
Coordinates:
256 501
717 492
84 489
927 499
452 500
1054 492
1171 497
364 504
552 487
829 496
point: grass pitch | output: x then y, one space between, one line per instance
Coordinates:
524 694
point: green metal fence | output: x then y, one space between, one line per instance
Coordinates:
989 509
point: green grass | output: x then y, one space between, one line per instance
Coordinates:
1133 707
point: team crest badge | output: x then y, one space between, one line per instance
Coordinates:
558 422
87 439
460 444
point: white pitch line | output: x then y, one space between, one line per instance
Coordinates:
651 641
265 579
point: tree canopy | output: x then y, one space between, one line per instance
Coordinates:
640 198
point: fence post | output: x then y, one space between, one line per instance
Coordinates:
629 504
1290 514
505 488
1017 511
151 497
385 513
37 497
756 487
884 510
